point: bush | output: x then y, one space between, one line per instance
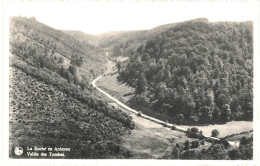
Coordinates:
215 133
72 70
203 150
60 60
194 133
194 129
139 113
187 145
190 154
225 143
195 144
234 154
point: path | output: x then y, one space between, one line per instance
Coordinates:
165 124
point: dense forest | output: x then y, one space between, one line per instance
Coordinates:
51 101
197 72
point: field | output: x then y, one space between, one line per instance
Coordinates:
110 84
151 140
120 91
239 136
228 128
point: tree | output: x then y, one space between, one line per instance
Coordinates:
79 61
234 154
195 144
175 152
214 133
187 145
225 113
219 152
206 114
72 69
141 84
179 118
61 60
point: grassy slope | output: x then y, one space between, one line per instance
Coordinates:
28 31
41 115
118 90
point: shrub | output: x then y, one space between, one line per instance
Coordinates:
194 133
72 70
139 113
164 125
234 154
194 129
203 150
225 143
195 144
187 145
60 60
190 154
214 133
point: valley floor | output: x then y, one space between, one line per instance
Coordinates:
149 139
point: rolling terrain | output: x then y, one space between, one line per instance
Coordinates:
120 43
166 78
54 104
148 139
152 139
51 101
196 72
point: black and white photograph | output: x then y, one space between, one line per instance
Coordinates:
130 81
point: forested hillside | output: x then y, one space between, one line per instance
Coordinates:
195 72
126 42
42 45
51 101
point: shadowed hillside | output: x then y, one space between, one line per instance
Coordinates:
51 101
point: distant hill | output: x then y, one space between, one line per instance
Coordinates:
120 43
125 43
51 101
91 39
196 72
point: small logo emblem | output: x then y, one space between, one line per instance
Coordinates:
18 151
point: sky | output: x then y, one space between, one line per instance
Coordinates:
102 16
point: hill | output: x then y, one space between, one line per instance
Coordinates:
196 72
30 37
51 102
120 43
81 36
124 43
